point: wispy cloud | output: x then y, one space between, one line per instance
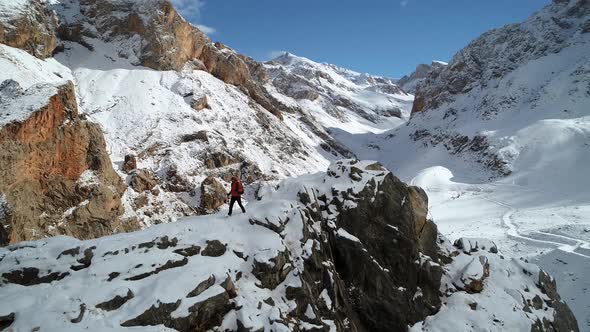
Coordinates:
206 29
191 10
188 8
404 3
275 54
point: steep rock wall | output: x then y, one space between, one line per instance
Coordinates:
55 173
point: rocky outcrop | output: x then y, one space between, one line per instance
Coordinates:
563 317
367 254
32 28
199 103
143 180
337 252
409 83
213 195
129 164
55 174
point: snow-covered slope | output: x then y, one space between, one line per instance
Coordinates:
339 98
334 251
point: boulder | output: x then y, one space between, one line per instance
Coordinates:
175 182
471 278
116 302
199 102
130 163
470 245
143 180
213 194
214 249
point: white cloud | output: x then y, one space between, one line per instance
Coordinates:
206 29
191 10
275 54
404 3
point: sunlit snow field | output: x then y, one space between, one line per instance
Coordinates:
542 227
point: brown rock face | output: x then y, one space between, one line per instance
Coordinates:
55 174
130 163
33 30
143 180
426 231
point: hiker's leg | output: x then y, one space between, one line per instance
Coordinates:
240 204
231 204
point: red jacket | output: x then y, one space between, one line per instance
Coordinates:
236 189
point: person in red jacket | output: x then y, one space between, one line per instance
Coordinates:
236 194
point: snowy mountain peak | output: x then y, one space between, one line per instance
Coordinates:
338 97
294 62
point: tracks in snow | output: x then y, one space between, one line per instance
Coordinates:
558 241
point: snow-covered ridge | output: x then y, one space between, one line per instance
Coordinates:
210 116
191 125
274 269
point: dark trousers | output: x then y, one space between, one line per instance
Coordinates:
232 201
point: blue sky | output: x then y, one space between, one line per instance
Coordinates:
383 37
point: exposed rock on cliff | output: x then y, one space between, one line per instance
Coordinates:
409 83
55 173
28 25
213 195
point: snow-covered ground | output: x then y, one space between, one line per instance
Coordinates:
545 227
